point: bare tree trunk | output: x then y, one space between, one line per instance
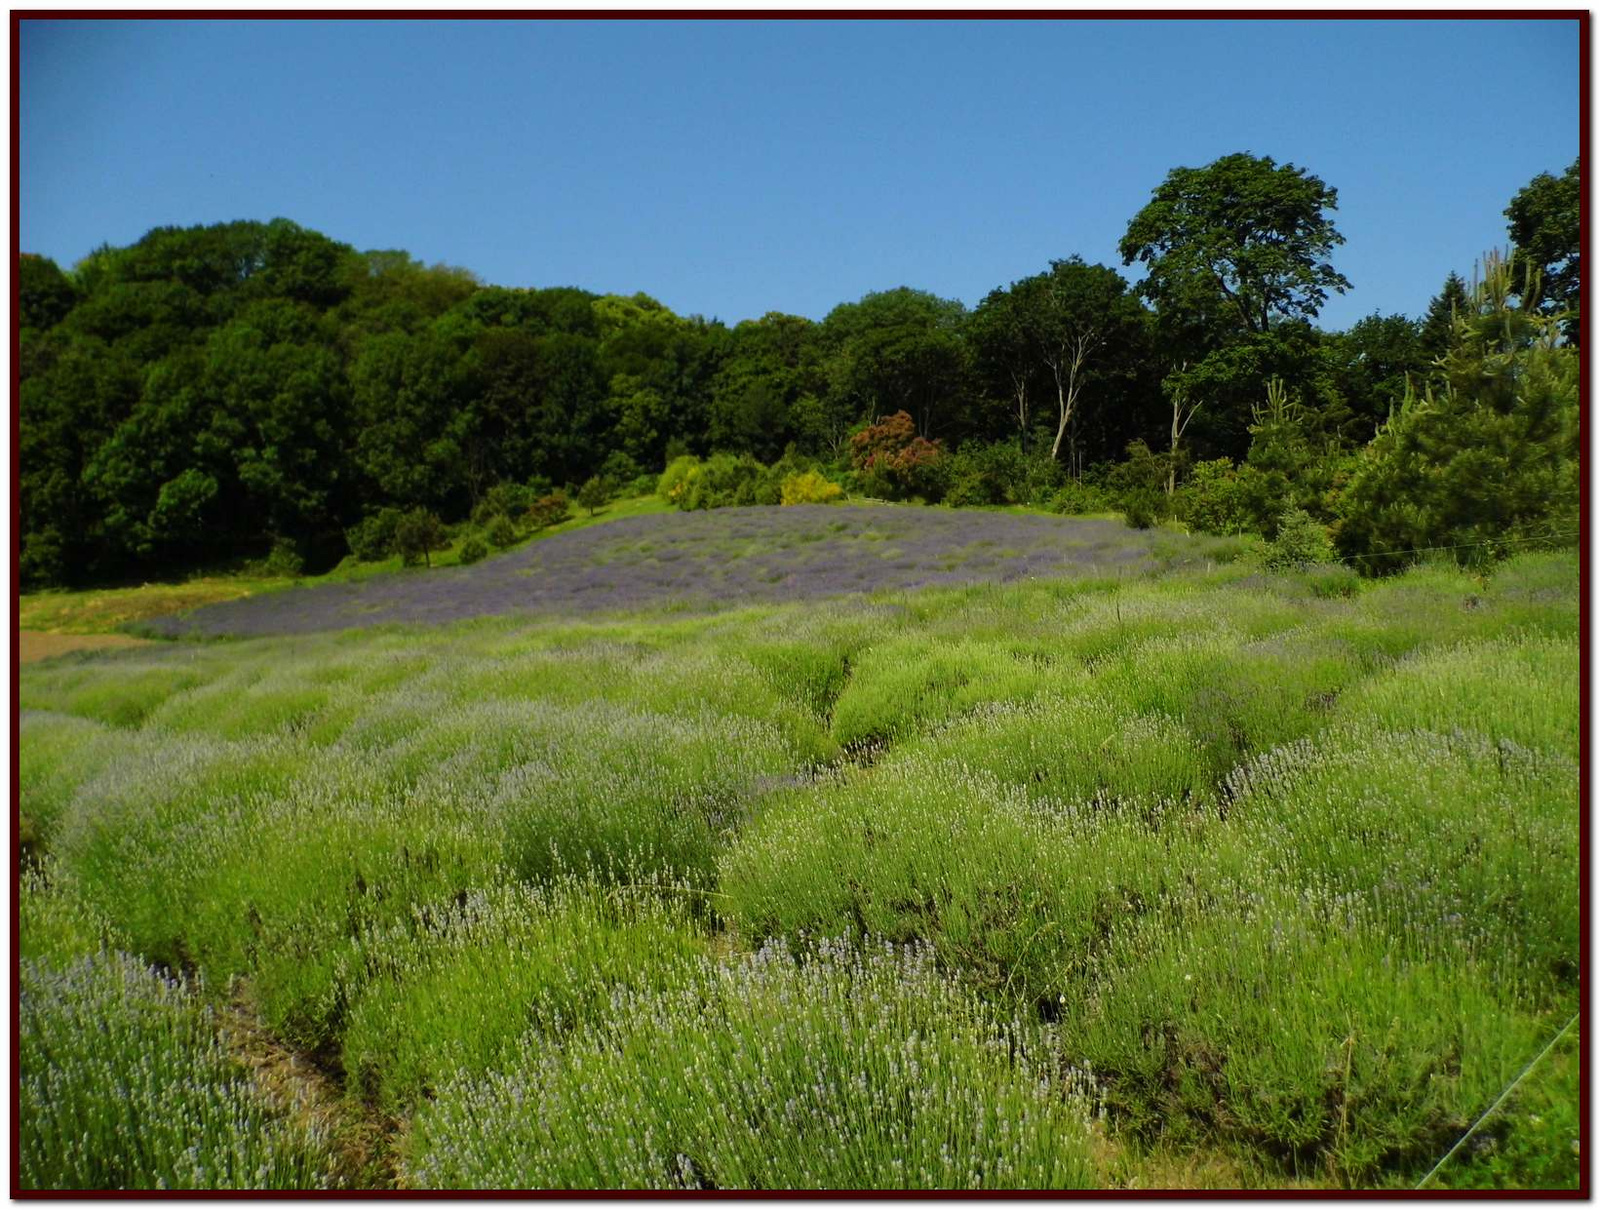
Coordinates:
1019 386
1065 398
1180 421
1069 364
1172 453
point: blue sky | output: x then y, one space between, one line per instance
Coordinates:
730 168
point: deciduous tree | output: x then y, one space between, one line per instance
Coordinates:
1545 228
1242 235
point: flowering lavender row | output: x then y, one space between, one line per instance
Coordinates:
700 560
1293 873
123 1086
858 1068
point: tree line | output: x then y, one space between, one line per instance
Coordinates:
210 393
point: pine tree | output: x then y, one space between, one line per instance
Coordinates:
1488 452
1438 328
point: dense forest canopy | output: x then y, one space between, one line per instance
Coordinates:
212 392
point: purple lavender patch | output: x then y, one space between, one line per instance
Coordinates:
701 561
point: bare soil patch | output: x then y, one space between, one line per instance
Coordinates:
35 645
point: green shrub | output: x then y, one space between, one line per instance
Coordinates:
1234 695
1522 689
620 467
979 474
595 494
675 481
548 510
1076 749
1138 486
247 703
456 996
147 841
55 924
1301 541
57 754
1013 898
417 534
1329 580
372 540
1140 510
906 683
120 690
1375 819
472 550
844 1071
283 560
725 481
1304 1040
502 500
1489 452
1076 497
1212 501
502 533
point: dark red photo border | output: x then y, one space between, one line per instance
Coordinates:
1581 16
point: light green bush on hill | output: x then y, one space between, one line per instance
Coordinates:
906 683
1309 1041
851 1069
451 997
1015 896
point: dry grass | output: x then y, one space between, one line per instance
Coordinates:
35 645
96 611
362 1142
1122 1165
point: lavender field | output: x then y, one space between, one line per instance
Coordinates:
697 561
813 848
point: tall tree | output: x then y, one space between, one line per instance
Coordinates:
1372 362
1241 235
1005 356
1439 325
1076 320
1544 224
898 350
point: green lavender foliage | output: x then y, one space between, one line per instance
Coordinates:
453 997
55 922
852 1068
1288 1025
492 860
124 1086
58 754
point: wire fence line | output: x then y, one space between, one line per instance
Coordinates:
1498 1101
1417 550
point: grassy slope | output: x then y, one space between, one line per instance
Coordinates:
1061 789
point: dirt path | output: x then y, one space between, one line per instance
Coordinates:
362 1141
35 645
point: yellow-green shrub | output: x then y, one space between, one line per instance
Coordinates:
810 488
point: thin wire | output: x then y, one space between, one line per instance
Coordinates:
1509 1088
1417 550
